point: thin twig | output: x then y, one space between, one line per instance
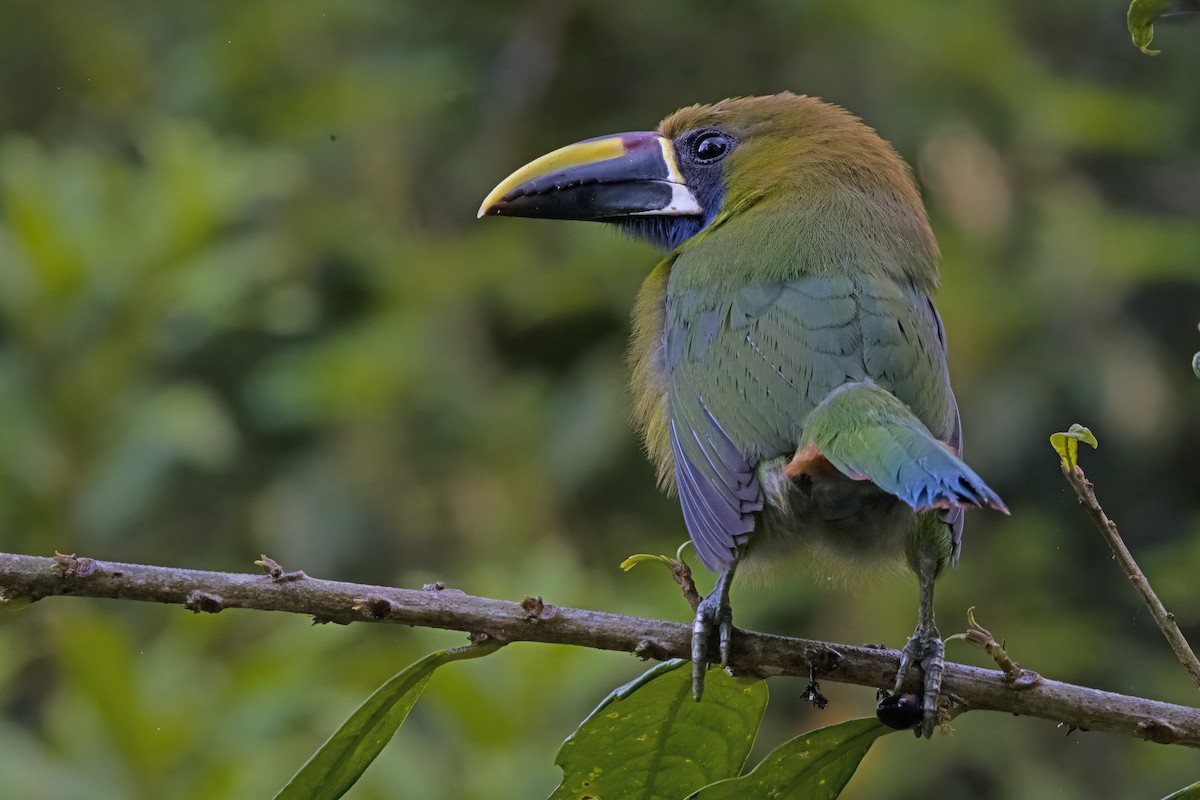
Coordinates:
28 578
1165 619
981 637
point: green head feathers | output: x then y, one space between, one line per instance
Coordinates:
791 173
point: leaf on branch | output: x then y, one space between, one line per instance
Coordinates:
341 761
681 573
650 739
1186 793
1140 20
982 638
1066 444
667 561
813 766
634 560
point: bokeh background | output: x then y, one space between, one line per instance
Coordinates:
246 307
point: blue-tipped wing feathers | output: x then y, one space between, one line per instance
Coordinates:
866 433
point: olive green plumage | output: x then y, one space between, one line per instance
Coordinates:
814 273
788 367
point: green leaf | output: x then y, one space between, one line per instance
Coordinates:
666 561
1067 444
813 766
1186 793
341 761
1140 20
651 740
639 558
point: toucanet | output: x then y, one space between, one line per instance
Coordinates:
787 363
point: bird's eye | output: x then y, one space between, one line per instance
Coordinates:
710 146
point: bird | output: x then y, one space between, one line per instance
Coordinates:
788 367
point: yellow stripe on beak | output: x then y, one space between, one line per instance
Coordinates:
668 151
573 155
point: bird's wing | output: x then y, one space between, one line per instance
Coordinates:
745 367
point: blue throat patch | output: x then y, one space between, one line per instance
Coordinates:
668 232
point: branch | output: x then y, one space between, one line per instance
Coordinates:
1108 529
29 578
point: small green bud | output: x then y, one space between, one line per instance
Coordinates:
1066 444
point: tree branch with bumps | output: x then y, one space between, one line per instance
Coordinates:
25 579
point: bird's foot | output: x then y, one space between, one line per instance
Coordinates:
925 650
713 616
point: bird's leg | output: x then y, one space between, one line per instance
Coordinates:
713 615
924 647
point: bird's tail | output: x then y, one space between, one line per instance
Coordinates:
866 433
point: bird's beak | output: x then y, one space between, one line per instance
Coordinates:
612 176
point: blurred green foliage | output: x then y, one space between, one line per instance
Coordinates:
245 307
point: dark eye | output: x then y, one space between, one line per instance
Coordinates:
710 146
